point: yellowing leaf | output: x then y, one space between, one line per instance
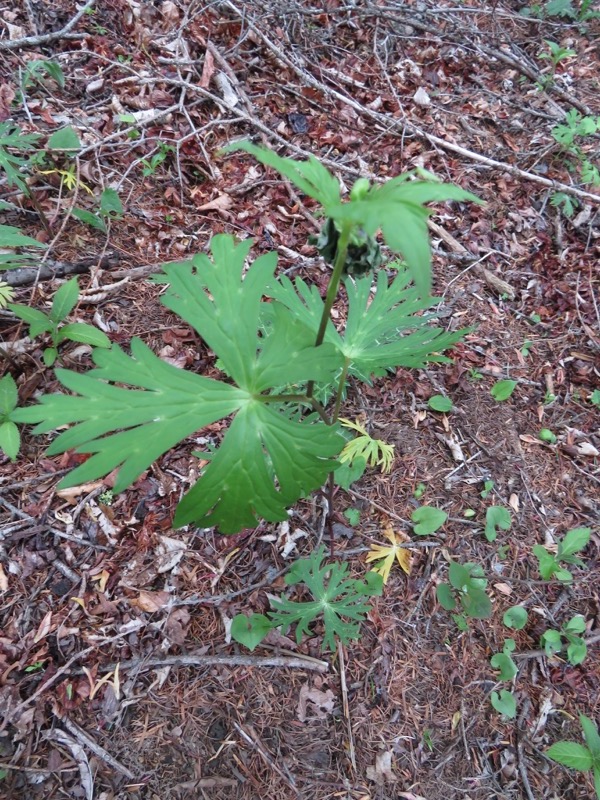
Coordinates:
374 451
387 554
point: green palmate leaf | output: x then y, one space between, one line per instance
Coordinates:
311 177
571 754
86 334
382 329
337 598
238 484
166 405
395 208
266 461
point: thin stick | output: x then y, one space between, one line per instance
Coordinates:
202 660
88 742
345 706
34 41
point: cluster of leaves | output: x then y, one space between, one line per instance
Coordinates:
568 135
574 541
566 9
569 637
63 303
337 600
268 457
465 590
584 758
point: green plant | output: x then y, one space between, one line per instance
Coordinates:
336 599
595 397
12 239
581 757
562 8
63 303
496 517
505 703
554 641
11 139
36 71
280 446
502 390
109 207
440 403
487 488
466 589
10 438
373 452
428 520
569 135
515 617
353 516
503 661
557 53
150 166
573 542
546 435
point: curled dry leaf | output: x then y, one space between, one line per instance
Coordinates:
321 703
382 771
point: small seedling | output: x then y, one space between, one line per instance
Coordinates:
428 520
554 641
63 303
515 617
110 207
583 758
440 403
353 516
466 589
475 374
505 703
150 166
526 348
487 488
337 599
503 661
595 398
573 542
496 517
556 53
419 491
546 435
502 390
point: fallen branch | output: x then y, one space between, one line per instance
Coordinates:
201 660
44 38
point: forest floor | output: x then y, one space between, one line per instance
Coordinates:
117 676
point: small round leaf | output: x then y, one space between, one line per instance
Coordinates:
515 617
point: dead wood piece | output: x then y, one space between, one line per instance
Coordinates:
202 660
34 41
84 739
56 269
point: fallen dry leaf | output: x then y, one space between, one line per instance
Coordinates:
321 703
221 203
382 771
151 601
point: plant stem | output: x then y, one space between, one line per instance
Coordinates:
340 389
333 286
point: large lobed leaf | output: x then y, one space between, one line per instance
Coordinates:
266 461
382 329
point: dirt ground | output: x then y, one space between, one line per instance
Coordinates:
117 678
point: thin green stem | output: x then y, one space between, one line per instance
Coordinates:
333 286
284 398
340 390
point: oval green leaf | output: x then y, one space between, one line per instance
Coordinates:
440 403
515 617
502 390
